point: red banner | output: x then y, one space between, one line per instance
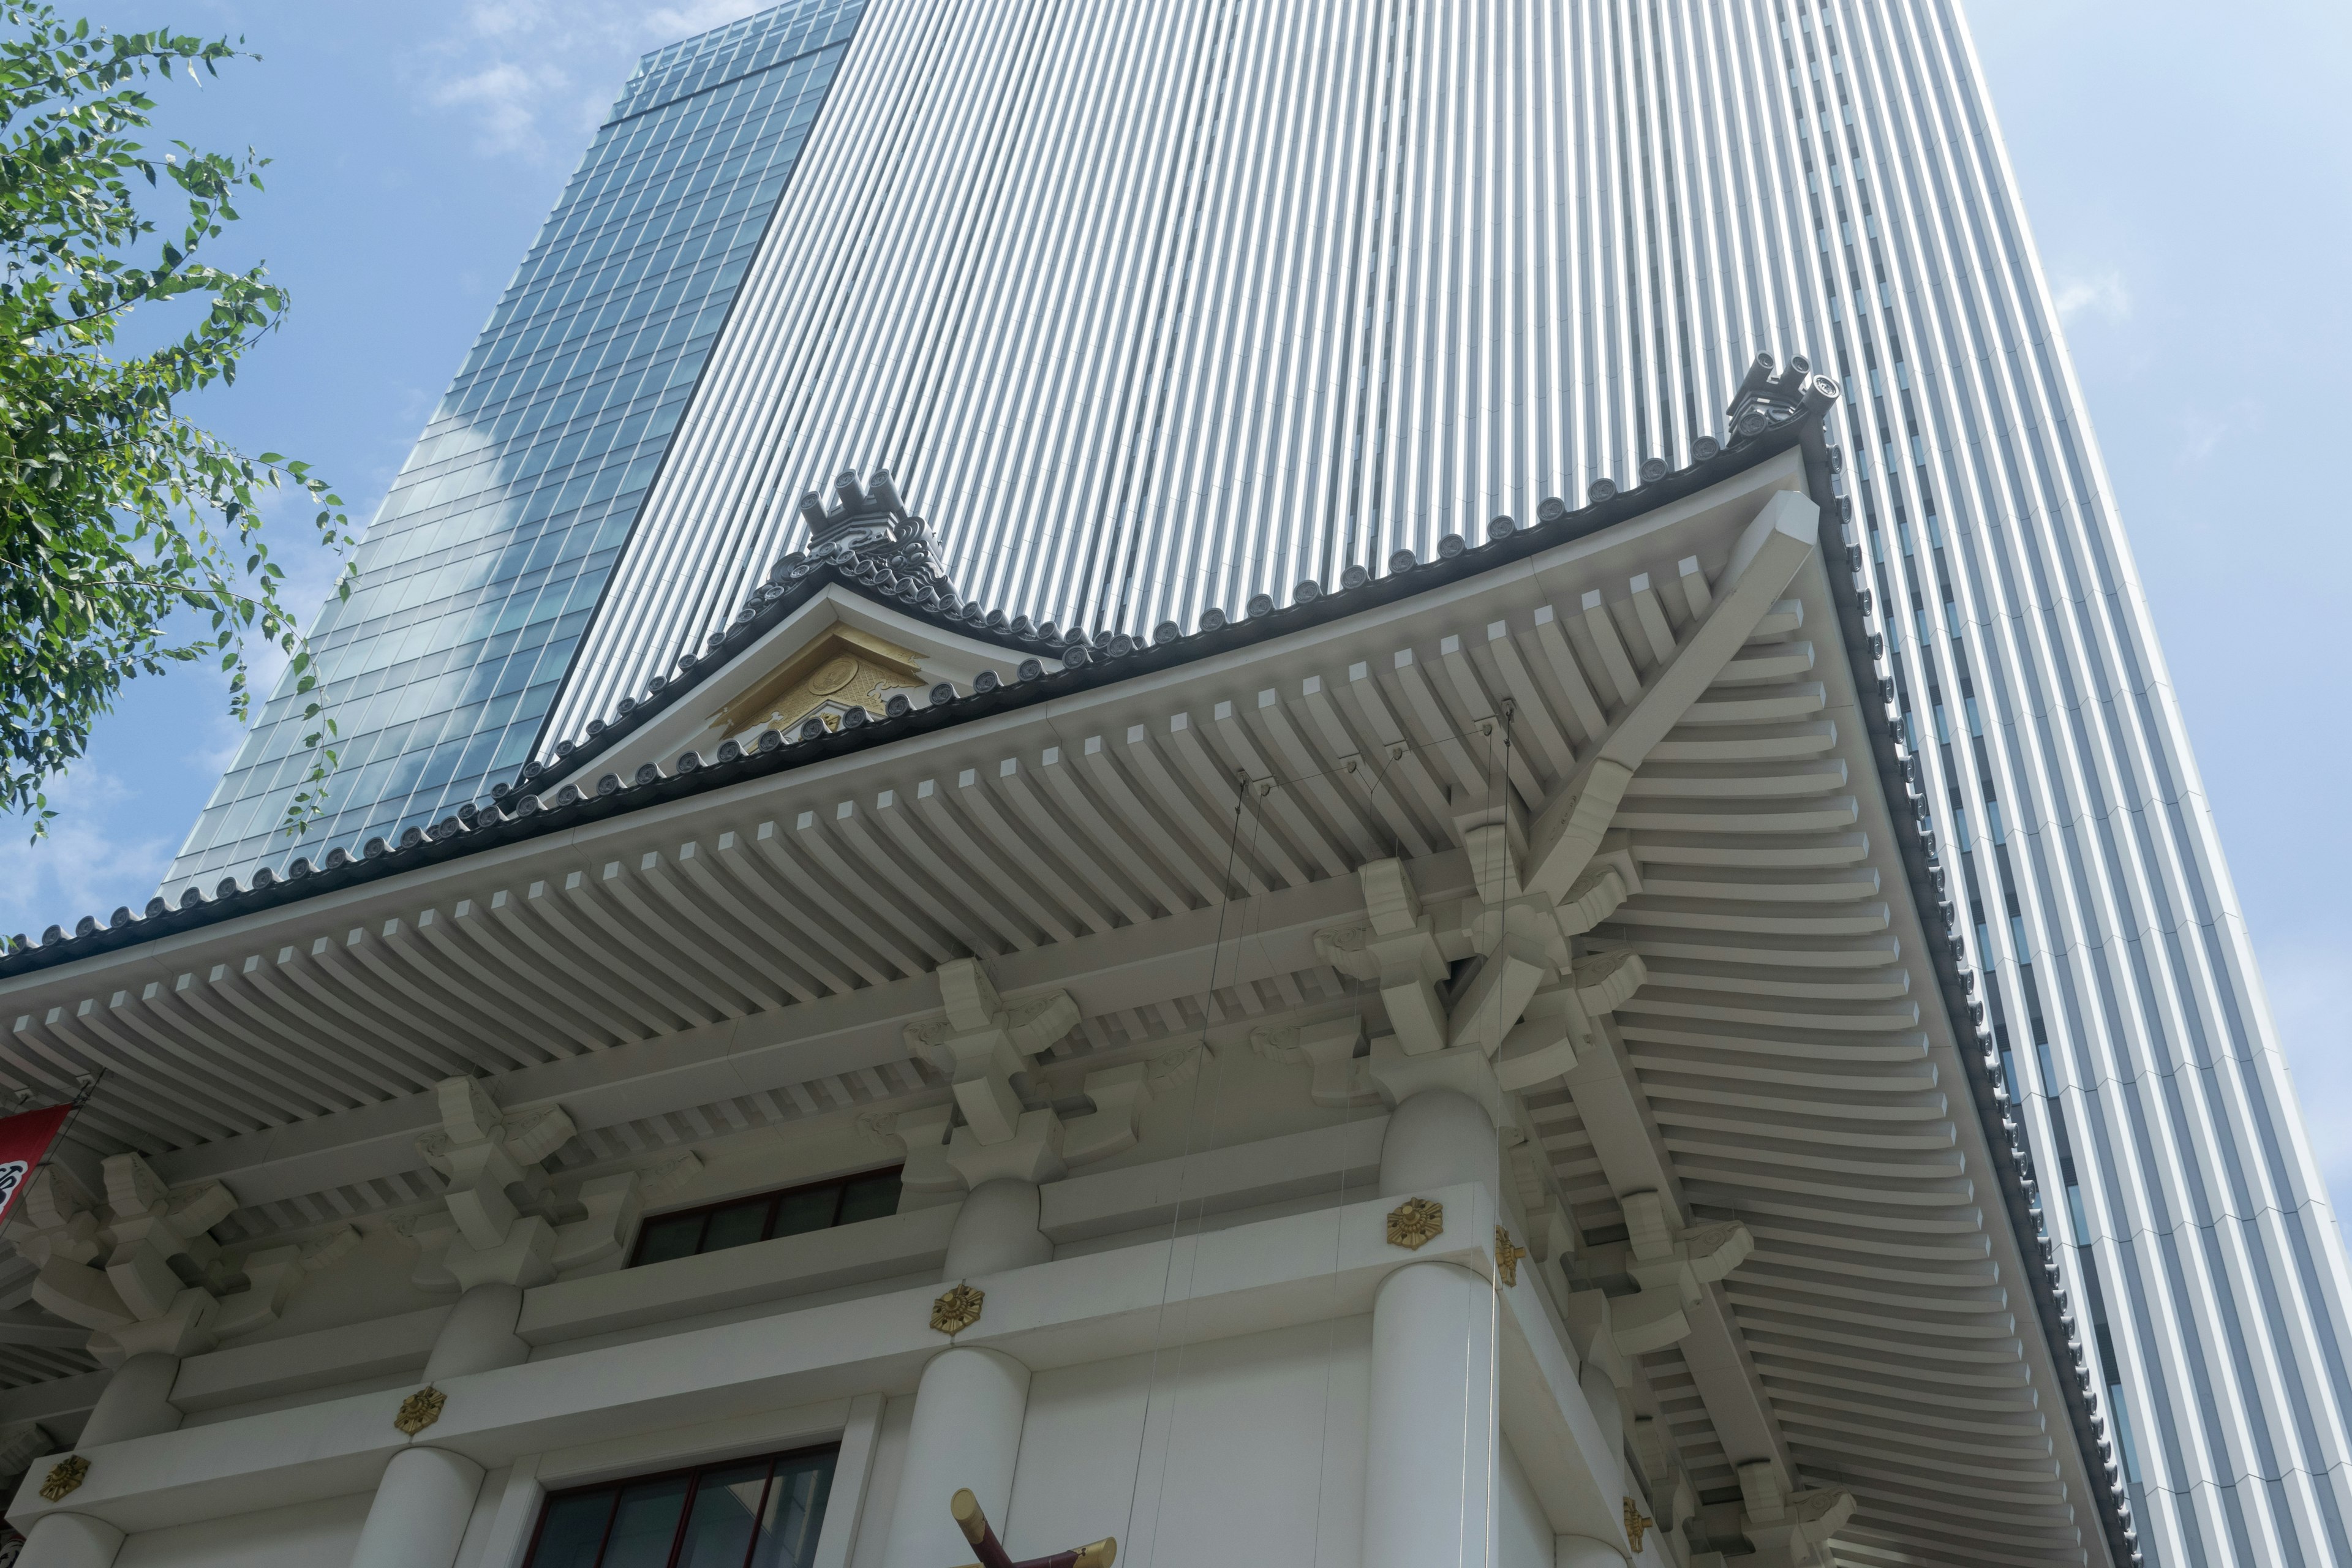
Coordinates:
24 1144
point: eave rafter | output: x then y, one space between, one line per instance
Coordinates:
1618 783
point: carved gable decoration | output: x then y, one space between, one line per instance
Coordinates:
841 669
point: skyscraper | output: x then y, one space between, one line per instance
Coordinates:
1154 309
485 562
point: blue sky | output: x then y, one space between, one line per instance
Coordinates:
2190 188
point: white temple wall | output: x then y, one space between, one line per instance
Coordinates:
882 1488
304 1535
1523 1533
481 1547
1248 1449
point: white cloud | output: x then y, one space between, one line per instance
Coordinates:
2204 431
2104 294
667 23
529 74
95 857
505 100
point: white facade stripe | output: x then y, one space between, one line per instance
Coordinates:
1154 307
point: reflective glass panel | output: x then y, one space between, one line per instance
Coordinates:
795 1513
792 1212
644 1524
869 1197
574 1530
726 1512
726 1515
805 1211
679 1235
735 1225
485 561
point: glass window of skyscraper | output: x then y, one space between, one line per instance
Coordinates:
481 571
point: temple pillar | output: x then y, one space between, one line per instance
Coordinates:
1432 1432
69 1541
478 1335
972 1402
426 1495
137 1402
422 1505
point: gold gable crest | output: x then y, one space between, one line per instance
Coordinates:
840 668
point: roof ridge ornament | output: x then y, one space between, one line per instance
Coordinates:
866 529
1768 395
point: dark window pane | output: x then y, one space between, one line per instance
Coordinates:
796 1513
575 1529
869 1197
735 1225
646 1524
673 1237
812 1210
751 1219
726 1507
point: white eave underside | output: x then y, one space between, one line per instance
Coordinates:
1795 1063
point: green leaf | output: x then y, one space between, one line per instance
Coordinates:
130 536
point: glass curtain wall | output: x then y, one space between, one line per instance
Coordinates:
488 557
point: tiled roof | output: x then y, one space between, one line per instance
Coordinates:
1773 410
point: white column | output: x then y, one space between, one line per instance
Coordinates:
69 1541
1432 1442
972 1402
1583 1551
419 1518
966 1433
426 1495
480 1334
995 1230
1601 1393
137 1402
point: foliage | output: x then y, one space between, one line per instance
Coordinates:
129 535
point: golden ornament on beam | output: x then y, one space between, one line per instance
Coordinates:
957 1311
1637 1525
420 1410
1507 1254
1415 1223
64 1476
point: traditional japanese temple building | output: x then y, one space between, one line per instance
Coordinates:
1210 783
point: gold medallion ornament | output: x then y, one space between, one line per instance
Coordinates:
1415 1223
420 1410
835 675
1507 1254
1637 1525
64 1476
957 1311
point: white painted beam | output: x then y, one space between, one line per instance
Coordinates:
1277 1273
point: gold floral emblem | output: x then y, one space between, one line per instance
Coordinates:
64 1476
1415 1223
420 1410
835 674
957 1311
1637 1525
1507 1254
